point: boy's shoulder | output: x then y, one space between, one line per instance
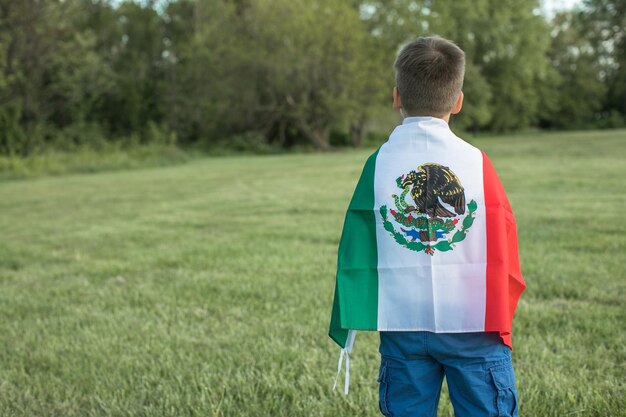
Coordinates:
431 137
462 143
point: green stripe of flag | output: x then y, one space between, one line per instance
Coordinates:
357 263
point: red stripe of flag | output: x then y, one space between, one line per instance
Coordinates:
504 278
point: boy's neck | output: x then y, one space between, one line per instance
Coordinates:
445 118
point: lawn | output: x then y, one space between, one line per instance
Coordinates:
205 289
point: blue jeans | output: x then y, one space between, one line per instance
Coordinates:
477 367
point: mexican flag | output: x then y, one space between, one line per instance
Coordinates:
429 241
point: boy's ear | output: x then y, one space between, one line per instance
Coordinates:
458 105
397 104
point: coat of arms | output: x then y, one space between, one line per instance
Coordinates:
437 216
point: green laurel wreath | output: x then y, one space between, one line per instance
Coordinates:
444 245
423 223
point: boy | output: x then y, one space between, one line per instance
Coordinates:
428 254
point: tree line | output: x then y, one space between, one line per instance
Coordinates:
283 73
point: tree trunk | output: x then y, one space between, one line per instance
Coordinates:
318 136
321 138
357 132
282 136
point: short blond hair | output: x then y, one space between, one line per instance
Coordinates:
429 76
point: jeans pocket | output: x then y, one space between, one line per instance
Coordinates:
383 389
504 380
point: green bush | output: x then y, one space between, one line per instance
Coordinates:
247 142
612 120
339 138
77 136
375 138
13 140
158 135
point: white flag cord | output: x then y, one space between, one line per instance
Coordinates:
345 352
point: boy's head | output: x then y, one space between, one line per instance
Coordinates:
429 78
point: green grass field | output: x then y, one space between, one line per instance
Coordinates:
205 289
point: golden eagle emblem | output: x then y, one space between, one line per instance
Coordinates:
433 184
432 221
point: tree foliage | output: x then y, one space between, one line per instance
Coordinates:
289 72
